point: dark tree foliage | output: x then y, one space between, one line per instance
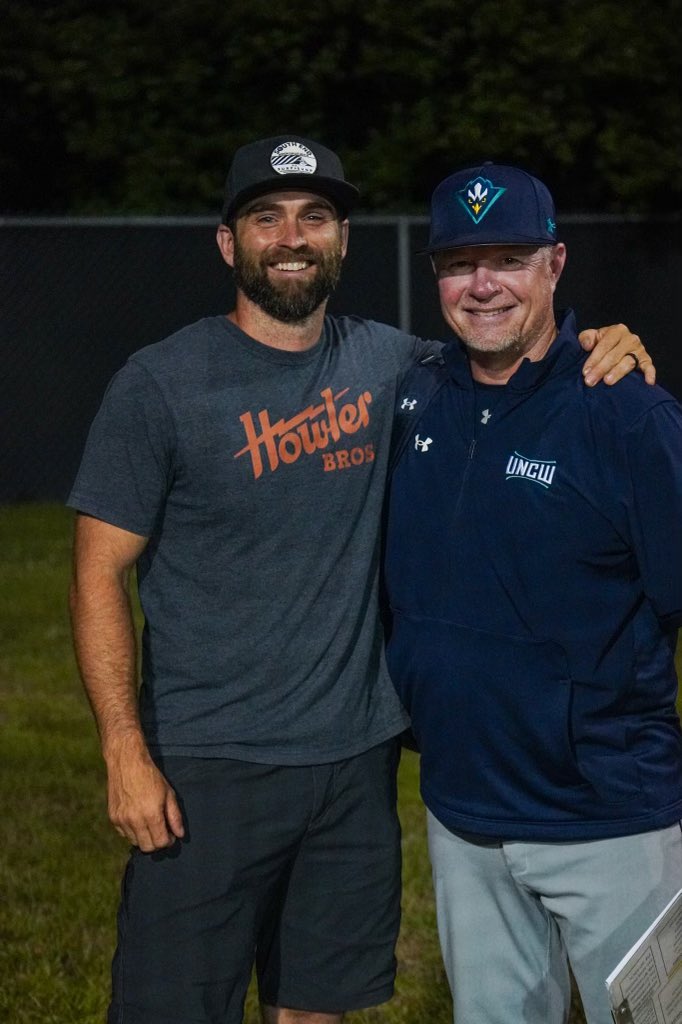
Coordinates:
136 106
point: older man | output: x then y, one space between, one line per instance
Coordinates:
534 569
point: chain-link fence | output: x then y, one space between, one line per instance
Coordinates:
80 295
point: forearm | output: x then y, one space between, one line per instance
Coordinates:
142 806
106 652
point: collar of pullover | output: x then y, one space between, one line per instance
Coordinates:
563 355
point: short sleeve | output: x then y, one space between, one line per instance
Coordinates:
424 348
127 465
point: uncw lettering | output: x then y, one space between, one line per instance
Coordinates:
542 472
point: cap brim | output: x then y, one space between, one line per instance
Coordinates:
342 193
476 240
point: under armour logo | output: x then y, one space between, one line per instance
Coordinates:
422 446
409 403
486 415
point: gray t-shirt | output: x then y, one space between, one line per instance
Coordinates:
258 475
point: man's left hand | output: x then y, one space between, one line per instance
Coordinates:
614 352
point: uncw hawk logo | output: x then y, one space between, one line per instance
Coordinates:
477 196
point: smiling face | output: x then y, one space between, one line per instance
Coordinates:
287 249
499 300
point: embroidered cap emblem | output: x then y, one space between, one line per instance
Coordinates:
539 471
477 197
293 158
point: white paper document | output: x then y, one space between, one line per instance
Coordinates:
646 986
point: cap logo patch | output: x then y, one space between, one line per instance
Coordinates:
477 197
293 158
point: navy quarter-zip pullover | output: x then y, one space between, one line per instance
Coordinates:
534 575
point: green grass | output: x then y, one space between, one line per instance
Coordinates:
60 861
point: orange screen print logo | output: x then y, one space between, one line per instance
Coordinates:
309 431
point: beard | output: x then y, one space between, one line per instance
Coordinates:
289 301
512 343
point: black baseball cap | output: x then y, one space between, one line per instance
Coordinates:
491 205
286 161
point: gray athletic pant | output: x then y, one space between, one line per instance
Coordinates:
511 916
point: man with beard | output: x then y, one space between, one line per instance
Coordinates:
240 465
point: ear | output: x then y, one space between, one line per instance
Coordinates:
557 262
225 240
344 236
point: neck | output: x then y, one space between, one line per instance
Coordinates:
492 368
292 337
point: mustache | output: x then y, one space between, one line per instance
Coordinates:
287 255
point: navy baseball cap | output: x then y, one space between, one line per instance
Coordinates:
286 161
491 205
